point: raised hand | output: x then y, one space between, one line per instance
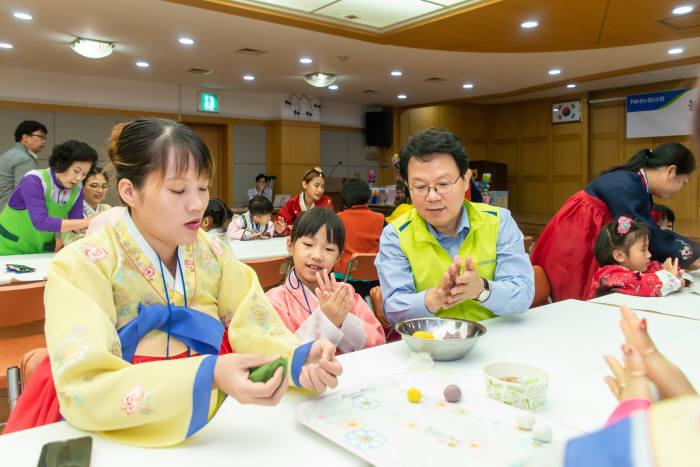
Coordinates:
333 298
467 286
629 381
280 225
438 297
667 377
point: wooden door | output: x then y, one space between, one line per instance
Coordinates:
214 137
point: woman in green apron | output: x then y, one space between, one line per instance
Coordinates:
47 201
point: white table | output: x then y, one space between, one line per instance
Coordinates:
684 303
260 249
38 261
253 249
567 339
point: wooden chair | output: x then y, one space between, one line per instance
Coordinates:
21 323
543 288
361 265
270 271
378 304
527 243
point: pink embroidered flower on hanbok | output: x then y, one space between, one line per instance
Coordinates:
95 254
189 264
149 271
132 400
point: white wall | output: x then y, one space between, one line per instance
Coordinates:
347 147
92 91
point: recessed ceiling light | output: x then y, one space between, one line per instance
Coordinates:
676 51
401 96
22 15
554 71
92 49
467 85
305 60
5 45
396 73
142 64
571 85
248 77
185 41
529 24
333 87
683 9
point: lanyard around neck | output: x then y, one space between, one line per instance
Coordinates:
299 285
167 299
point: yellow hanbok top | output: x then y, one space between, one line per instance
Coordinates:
94 288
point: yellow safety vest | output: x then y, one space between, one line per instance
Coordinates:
429 260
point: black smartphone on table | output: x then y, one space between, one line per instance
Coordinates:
69 453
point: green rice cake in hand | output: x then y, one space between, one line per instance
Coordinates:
263 373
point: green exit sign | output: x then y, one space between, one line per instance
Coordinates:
208 102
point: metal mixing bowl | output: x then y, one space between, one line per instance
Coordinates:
441 349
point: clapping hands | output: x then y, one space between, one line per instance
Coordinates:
454 287
335 298
643 363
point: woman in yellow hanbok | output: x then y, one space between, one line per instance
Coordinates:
155 290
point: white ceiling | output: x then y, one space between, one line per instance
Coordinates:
148 30
373 15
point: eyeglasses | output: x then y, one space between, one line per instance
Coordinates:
441 188
40 136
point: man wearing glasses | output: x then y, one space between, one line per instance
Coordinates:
449 257
30 139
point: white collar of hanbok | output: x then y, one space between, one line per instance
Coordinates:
151 255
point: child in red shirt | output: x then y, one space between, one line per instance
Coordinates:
622 251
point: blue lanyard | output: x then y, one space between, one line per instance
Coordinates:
167 299
299 284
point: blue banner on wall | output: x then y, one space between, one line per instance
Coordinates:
666 113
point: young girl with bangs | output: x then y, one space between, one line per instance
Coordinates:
141 317
622 251
310 302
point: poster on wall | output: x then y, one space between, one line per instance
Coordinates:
666 113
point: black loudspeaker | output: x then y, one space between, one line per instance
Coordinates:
378 128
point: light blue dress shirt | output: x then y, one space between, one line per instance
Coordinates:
512 289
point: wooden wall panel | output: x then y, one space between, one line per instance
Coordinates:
477 152
531 195
292 149
476 122
605 153
451 117
505 122
534 118
534 159
421 118
507 153
567 156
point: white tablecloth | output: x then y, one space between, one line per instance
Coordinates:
567 339
39 261
253 249
685 303
260 249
